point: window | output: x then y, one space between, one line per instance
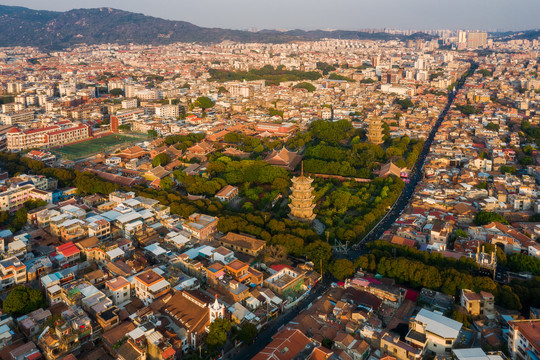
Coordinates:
448 342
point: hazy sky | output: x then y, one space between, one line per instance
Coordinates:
323 14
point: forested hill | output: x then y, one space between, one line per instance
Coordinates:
55 30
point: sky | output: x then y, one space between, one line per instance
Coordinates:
488 15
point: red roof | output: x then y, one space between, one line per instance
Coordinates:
33 356
411 295
14 130
168 353
280 267
42 129
68 249
67 130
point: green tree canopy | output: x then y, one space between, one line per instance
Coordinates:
247 332
161 159
22 300
341 268
492 126
331 132
319 252
116 92
204 102
325 67
305 85
405 103
486 217
217 336
166 183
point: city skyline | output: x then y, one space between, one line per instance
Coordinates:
494 15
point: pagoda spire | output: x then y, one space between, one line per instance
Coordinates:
302 198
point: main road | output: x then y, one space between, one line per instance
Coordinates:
265 336
415 176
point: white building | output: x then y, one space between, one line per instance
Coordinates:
12 272
129 103
119 290
168 111
523 338
149 286
434 331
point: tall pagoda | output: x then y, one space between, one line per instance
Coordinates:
375 131
302 198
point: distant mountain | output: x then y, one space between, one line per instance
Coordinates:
517 35
56 30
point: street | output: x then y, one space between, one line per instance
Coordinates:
265 336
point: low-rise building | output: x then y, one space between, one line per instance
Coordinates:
119 290
201 226
478 304
434 331
150 285
524 339
286 282
242 243
12 272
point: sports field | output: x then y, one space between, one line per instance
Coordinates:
105 144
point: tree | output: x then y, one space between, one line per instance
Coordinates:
281 184
508 169
293 244
4 217
204 102
217 336
405 103
342 268
325 68
526 160
305 85
486 217
22 300
459 233
484 72
166 183
21 216
179 175
334 76
116 92
327 343
492 126
33 204
125 127
161 159
331 132
275 254
152 134
466 109
508 299
247 332
461 317
319 253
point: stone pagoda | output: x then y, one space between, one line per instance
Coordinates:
375 131
302 198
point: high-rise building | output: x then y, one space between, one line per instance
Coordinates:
375 131
462 36
14 88
302 198
375 60
476 39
